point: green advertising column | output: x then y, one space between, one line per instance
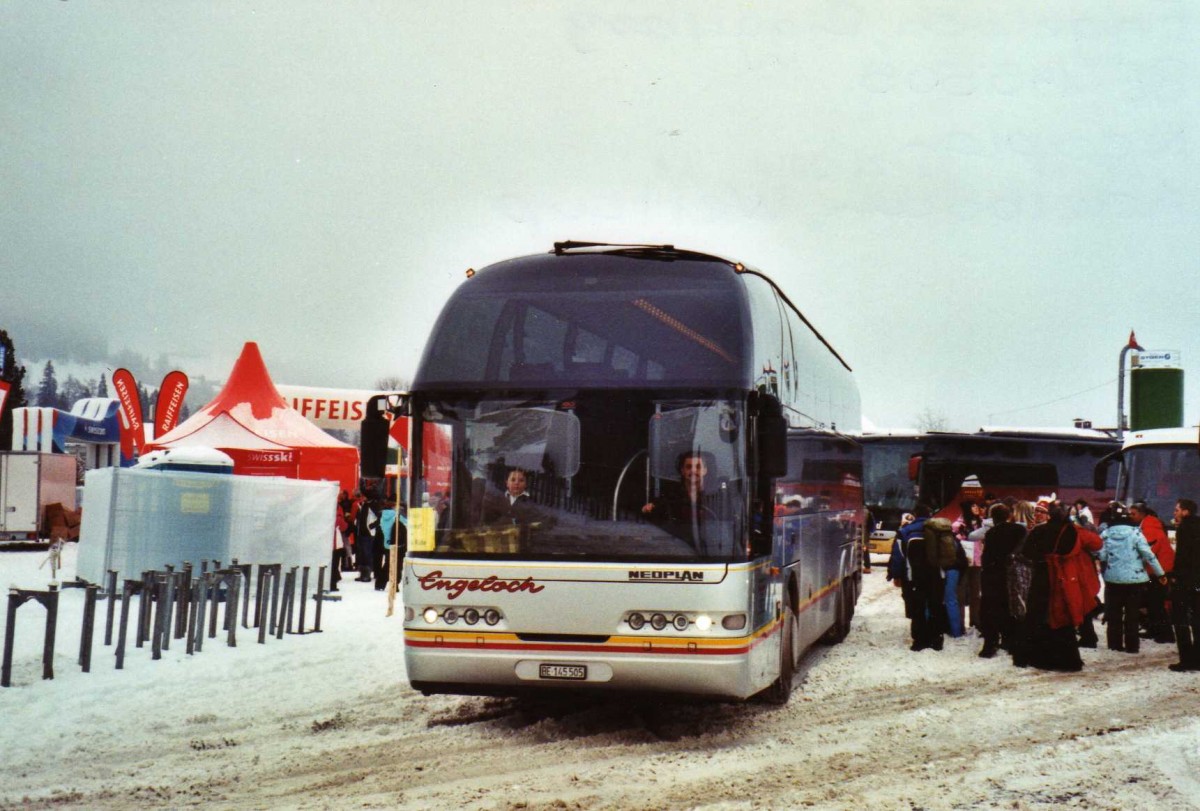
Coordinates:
1156 398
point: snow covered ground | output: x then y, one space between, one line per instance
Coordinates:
328 721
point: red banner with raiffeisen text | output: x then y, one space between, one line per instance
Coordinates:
132 432
170 402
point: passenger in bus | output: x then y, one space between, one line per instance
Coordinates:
681 510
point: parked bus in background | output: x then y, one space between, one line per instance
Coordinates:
1025 463
624 427
945 468
1158 466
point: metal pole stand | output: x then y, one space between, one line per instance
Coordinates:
89 622
17 598
112 605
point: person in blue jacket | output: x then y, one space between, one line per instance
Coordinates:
1124 558
393 525
920 582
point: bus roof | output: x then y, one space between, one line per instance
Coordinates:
1163 436
1033 434
1053 432
900 433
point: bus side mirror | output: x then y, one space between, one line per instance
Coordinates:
772 446
1100 473
373 440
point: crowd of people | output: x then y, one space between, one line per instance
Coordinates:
1028 576
366 528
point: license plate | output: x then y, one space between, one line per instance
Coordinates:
574 672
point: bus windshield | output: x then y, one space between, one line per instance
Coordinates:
605 476
887 489
1160 475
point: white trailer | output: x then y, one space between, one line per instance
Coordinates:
28 482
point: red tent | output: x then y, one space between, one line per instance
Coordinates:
251 422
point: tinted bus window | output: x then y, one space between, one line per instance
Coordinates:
824 473
677 324
793 363
1160 475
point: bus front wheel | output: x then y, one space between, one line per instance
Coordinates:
781 689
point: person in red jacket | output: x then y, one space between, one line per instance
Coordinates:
1089 578
1158 621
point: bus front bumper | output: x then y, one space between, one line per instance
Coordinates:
446 668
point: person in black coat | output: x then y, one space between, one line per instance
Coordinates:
366 533
1185 586
921 584
1044 647
995 620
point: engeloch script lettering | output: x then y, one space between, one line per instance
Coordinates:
434 581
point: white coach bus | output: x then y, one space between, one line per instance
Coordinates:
648 484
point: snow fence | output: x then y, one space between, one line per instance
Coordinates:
138 520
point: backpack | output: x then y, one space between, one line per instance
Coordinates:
941 547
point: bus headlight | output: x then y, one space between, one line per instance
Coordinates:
658 622
471 616
450 615
703 622
430 615
636 621
680 622
491 616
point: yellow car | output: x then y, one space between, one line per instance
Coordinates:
880 542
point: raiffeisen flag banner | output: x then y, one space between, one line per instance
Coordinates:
132 432
170 402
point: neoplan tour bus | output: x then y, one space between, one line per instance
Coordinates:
642 481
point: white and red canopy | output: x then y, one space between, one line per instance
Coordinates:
251 422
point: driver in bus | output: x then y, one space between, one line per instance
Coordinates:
515 506
681 511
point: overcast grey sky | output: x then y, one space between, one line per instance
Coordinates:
974 202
